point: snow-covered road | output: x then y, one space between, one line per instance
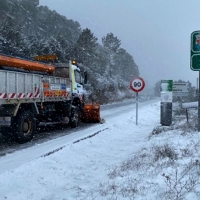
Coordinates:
64 167
111 115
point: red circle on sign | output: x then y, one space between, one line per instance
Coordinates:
137 84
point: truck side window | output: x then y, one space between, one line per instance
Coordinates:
77 76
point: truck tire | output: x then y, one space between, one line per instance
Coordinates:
75 117
25 127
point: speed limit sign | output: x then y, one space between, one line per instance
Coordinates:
137 84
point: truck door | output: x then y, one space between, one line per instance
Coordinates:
78 84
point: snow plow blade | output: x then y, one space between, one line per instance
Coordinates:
91 113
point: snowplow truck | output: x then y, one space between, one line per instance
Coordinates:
33 92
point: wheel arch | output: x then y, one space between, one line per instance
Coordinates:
76 101
25 107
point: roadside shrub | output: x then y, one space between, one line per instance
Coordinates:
160 129
179 184
126 189
138 161
164 151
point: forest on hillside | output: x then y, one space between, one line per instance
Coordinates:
28 30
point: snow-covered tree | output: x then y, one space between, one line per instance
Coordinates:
85 47
27 30
111 44
11 40
125 66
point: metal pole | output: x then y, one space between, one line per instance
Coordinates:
199 104
136 108
197 93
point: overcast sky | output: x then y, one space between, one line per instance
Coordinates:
155 32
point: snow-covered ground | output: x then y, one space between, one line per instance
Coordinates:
121 161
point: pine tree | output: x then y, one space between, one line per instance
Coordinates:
84 50
125 66
111 44
11 40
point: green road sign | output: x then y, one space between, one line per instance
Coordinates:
166 88
195 61
195 51
167 85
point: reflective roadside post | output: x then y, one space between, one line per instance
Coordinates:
166 102
137 84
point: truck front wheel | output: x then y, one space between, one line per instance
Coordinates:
25 126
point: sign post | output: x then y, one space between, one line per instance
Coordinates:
195 62
137 84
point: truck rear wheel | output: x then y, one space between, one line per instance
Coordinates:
75 117
25 126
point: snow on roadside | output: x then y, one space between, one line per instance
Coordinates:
144 161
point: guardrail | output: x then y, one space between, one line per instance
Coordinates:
188 106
